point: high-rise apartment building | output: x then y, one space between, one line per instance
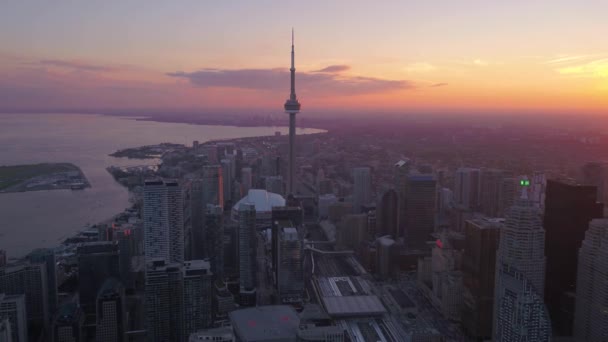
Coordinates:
163 215
213 185
246 180
569 208
247 237
214 239
29 280
227 179
388 214
420 201
466 187
97 262
490 186
591 319
13 310
519 310
290 282
594 174
164 301
46 256
362 188
479 268
198 296
68 325
111 312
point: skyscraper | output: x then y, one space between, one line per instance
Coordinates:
590 319
46 256
29 280
279 215
227 179
247 254
246 180
568 210
69 324
519 310
97 261
388 218
490 185
362 188
111 312
292 107
401 172
479 268
2 257
420 201
163 221
164 301
12 309
198 295
594 174
214 239
213 185
466 187
290 282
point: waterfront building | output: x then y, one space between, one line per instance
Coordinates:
163 216
97 262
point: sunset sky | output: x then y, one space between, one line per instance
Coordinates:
491 55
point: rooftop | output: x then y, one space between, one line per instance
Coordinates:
265 323
262 200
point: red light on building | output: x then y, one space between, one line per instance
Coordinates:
439 243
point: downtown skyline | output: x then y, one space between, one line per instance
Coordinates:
513 57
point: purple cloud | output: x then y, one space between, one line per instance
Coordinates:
278 80
74 65
438 85
335 68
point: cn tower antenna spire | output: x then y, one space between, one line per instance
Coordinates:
292 107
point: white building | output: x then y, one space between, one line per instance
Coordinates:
163 221
519 310
263 202
590 316
362 188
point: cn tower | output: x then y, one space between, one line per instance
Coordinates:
292 107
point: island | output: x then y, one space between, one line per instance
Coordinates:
147 152
45 176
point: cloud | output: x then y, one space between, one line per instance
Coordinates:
436 85
568 59
74 65
594 69
335 68
420 67
480 62
320 83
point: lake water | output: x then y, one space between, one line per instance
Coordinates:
45 218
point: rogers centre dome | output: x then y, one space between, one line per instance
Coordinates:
263 201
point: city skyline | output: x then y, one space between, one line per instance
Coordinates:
396 57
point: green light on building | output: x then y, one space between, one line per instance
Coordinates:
524 182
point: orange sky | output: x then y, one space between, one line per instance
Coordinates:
453 56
